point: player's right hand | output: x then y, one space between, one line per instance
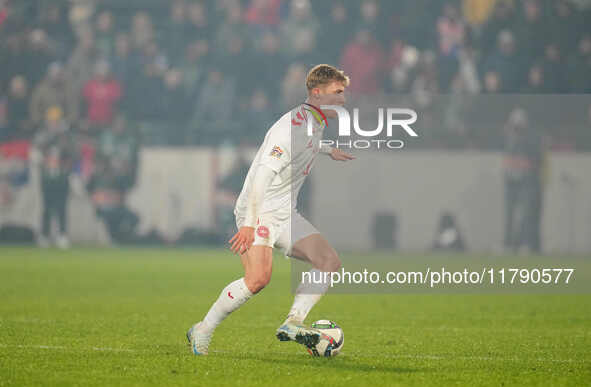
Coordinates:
242 240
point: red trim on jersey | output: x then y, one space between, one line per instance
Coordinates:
318 110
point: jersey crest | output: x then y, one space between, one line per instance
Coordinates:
276 152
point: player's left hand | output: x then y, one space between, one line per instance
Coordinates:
339 155
242 240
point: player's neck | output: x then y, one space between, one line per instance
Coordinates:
317 108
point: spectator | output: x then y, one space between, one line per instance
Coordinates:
292 90
564 26
58 29
105 34
468 74
79 67
538 50
476 12
146 87
228 189
80 14
239 65
123 64
52 92
39 52
402 62
14 171
175 34
337 31
107 193
366 74
299 32
3 12
425 85
257 117
372 20
153 55
412 17
270 64
262 15
199 26
87 151
553 68
583 135
535 81
531 32
58 157
579 67
523 189
175 105
448 237
231 27
451 31
142 31
194 68
448 66
214 111
501 19
102 94
492 82
12 55
506 62
119 146
5 131
17 108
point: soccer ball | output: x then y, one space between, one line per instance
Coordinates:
331 340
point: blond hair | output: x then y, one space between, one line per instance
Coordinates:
324 74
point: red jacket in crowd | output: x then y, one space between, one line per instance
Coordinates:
364 63
101 97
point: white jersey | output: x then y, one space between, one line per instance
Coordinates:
290 152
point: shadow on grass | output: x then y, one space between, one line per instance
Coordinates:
339 363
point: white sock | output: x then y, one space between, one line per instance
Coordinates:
307 295
231 298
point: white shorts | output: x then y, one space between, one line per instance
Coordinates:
279 231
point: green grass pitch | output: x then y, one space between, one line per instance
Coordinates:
119 317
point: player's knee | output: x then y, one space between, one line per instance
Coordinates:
333 265
330 261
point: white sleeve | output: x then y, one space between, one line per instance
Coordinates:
326 149
262 179
277 149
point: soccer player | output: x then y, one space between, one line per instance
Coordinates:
266 214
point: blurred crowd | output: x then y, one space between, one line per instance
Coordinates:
198 72
84 83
